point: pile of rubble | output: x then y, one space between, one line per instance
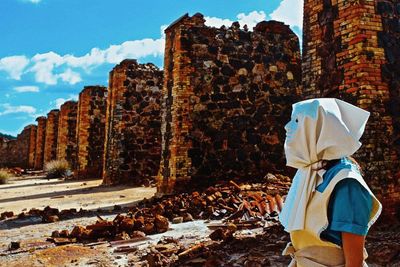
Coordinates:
244 206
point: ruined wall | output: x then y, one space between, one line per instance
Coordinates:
226 97
32 132
18 152
351 51
67 140
133 134
40 139
50 143
91 131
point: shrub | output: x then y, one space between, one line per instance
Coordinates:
56 168
4 175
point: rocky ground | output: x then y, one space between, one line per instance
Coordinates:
92 225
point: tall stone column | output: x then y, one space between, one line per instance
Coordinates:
50 144
351 51
133 129
66 140
40 140
91 131
227 95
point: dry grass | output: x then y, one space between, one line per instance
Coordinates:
56 168
4 175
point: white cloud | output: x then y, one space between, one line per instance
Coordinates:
23 89
14 66
70 76
33 1
250 20
9 109
290 12
59 101
45 66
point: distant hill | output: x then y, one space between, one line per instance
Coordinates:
7 136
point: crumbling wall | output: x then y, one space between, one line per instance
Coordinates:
17 152
40 140
133 129
91 131
226 97
32 132
50 143
351 51
67 139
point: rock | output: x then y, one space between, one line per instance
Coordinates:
161 223
177 220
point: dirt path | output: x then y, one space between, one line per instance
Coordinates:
22 194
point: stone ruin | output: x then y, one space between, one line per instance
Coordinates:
40 139
227 95
351 50
50 143
91 131
19 152
67 139
228 92
133 130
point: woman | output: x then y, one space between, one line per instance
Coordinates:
329 207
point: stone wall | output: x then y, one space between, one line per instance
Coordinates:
351 51
91 131
67 139
18 152
50 143
40 139
133 134
32 132
226 97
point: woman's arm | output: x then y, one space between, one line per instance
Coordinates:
353 247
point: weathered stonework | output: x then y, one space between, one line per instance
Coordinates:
32 145
50 144
226 97
91 131
40 139
133 129
351 51
67 140
18 152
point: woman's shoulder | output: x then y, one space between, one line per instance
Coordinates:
330 173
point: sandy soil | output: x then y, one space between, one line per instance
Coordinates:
22 194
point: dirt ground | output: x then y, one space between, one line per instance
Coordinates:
24 193
249 247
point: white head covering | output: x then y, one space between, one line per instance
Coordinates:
320 129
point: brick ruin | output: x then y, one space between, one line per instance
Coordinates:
228 92
67 139
226 97
133 135
40 139
351 50
91 131
20 151
50 143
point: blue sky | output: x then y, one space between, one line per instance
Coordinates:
50 49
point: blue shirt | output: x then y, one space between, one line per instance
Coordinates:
349 207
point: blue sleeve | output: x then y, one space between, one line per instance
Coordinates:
350 207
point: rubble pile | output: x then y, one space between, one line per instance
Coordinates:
247 206
263 249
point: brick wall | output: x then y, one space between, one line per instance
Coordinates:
226 97
50 143
40 139
351 51
18 152
66 140
133 135
91 131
